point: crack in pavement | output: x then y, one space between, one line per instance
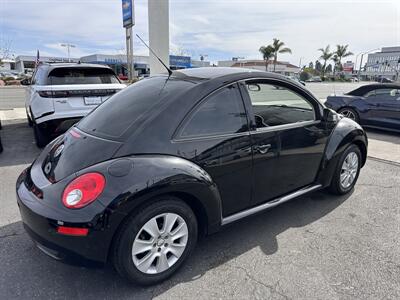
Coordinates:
11 235
272 289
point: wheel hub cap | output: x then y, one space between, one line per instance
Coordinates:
160 243
349 170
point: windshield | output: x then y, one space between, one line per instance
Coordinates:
112 118
82 75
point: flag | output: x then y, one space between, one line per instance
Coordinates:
37 59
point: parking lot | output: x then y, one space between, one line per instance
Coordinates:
317 246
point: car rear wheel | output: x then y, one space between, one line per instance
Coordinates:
349 113
155 241
41 137
347 171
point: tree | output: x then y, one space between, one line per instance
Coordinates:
326 55
341 52
267 54
311 65
278 47
318 66
328 69
335 60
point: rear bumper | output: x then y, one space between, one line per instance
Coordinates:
37 221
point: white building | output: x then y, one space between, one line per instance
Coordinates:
383 64
282 67
24 63
7 65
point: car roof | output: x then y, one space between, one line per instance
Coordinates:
360 91
217 72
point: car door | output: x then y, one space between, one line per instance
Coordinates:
384 108
215 136
288 138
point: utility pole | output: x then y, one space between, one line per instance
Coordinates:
68 46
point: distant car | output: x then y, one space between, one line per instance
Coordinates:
314 79
174 157
297 79
385 80
60 94
373 105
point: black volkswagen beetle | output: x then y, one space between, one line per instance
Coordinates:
174 157
373 105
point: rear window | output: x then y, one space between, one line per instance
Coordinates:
112 118
62 76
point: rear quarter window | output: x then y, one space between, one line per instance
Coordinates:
115 116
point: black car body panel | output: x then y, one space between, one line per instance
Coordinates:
218 176
380 110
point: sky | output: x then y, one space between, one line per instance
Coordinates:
221 29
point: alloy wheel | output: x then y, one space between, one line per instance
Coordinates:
160 243
349 170
349 114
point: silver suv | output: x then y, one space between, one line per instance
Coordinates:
60 94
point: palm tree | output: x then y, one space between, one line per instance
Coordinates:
335 59
277 47
266 52
341 52
326 55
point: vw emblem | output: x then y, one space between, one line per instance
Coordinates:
59 150
47 168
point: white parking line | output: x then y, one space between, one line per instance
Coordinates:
13 114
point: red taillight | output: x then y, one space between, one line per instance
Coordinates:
45 94
72 231
83 190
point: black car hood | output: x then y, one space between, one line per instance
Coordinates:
74 151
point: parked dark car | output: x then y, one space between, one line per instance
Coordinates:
373 105
171 158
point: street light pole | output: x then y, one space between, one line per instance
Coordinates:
68 46
362 55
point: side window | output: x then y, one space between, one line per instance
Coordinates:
379 93
221 113
275 105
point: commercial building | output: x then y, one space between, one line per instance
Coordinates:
284 68
26 64
383 64
7 65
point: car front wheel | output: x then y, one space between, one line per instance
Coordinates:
347 171
155 241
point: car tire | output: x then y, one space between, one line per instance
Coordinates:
30 122
41 137
350 113
348 166
155 262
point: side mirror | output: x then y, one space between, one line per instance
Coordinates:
330 115
26 81
254 87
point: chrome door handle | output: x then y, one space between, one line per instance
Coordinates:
263 148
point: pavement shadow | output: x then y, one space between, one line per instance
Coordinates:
28 273
18 143
384 136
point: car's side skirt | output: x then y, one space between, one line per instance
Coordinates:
269 204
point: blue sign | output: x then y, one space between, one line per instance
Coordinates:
180 61
127 13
